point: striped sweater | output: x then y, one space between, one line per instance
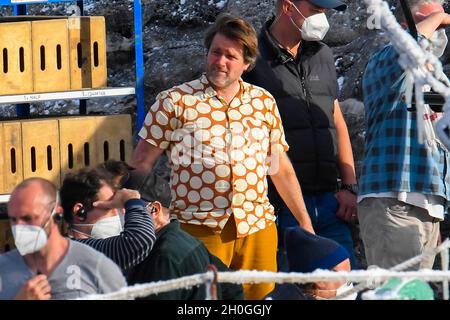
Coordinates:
134 243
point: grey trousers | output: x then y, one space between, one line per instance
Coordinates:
393 231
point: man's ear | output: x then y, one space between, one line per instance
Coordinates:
77 208
156 209
286 7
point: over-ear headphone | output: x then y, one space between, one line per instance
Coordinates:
81 213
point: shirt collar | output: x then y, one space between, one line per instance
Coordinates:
209 92
279 54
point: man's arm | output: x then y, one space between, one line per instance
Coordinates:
134 243
145 155
289 189
347 200
427 26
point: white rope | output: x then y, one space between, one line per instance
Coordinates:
240 277
415 61
444 265
443 247
369 277
144 290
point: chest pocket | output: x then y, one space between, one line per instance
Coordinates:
319 81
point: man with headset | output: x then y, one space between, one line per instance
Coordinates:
46 265
91 209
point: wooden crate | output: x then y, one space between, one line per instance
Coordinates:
15 58
6 236
2 161
51 148
50 43
77 143
114 138
87 42
40 143
11 150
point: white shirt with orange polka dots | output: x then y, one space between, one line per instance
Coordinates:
219 153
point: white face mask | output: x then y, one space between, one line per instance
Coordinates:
344 288
438 42
104 228
29 238
314 27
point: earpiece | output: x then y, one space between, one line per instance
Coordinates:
81 213
57 218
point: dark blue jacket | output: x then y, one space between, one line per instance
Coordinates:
305 89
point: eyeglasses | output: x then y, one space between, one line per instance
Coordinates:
150 208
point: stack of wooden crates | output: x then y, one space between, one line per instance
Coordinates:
39 54
48 54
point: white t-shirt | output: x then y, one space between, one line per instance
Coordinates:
433 204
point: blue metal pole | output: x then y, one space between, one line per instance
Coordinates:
139 54
81 6
23 109
20 10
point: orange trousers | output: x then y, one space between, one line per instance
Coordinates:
257 251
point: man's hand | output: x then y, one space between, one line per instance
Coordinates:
36 288
347 206
119 199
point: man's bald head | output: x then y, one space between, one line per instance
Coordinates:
45 187
34 195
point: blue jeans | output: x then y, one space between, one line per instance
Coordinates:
322 211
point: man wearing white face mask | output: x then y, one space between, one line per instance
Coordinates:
307 252
46 265
299 71
91 209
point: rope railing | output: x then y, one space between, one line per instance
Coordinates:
442 248
244 276
366 278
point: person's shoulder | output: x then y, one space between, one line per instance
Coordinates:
318 49
79 249
9 257
177 244
257 91
383 54
186 88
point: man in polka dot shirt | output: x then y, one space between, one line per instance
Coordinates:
222 136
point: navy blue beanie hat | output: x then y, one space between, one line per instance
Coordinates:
307 252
